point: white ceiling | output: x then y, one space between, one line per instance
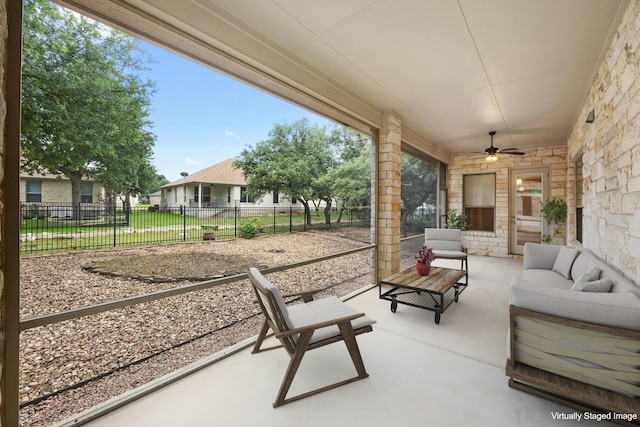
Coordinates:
453 70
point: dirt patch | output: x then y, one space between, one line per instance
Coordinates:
174 267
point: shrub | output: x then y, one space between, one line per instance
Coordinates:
455 220
249 227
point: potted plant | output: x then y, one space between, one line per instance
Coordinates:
554 211
424 259
455 220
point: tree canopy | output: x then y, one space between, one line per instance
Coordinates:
84 107
419 185
310 163
292 162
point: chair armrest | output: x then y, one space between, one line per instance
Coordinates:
314 326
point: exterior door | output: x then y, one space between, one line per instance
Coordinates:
529 187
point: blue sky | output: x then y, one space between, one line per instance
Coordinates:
201 117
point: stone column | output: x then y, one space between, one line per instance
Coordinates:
387 207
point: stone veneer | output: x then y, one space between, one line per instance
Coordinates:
388 198
610 149
497 243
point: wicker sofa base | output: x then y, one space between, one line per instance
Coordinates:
540 346
572 393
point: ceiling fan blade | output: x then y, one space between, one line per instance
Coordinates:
513 153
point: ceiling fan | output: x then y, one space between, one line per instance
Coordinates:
491 153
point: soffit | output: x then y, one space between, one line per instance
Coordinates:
453 70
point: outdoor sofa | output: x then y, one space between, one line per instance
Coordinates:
575 332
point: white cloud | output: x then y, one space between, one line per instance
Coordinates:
231 134
191 161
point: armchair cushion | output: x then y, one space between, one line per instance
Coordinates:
322 310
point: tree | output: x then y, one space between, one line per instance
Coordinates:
351 181
292 161
419 180
84 108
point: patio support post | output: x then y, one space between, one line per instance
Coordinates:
387 206
10 69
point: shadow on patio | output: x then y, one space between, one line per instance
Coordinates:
420 373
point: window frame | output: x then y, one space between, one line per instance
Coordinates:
86 196
30 194
480 209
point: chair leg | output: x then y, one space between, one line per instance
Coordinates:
263 334
294 364
352 345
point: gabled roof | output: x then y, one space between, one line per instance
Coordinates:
220 173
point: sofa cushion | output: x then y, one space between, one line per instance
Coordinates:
601 285
547 278
610 309
589 276
587 260
564 261
540 256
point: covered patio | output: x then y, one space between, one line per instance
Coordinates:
420 373
556 79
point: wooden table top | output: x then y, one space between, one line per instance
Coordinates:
439 280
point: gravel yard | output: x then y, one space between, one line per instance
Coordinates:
107 354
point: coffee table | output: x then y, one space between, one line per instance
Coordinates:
435 292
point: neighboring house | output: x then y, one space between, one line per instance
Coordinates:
49 188
155 198
220 186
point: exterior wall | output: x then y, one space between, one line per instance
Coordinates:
59 191
497 243
219 198
610 149
56 190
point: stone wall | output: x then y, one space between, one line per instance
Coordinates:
496 243
610 150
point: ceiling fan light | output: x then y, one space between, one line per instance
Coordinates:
491 157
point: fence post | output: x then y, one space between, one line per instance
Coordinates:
184 223
274 220
115 226
290 219
235 221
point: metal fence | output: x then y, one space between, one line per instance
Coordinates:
60 226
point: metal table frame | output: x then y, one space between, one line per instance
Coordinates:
435 292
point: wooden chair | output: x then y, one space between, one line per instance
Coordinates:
447 244
308 326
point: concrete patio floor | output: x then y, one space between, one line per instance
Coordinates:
451 374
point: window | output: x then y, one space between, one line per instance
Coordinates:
34 191
244 197
276 197
480 201
86 192
228 194
206 194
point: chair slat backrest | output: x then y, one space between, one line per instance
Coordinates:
272 305
448 239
